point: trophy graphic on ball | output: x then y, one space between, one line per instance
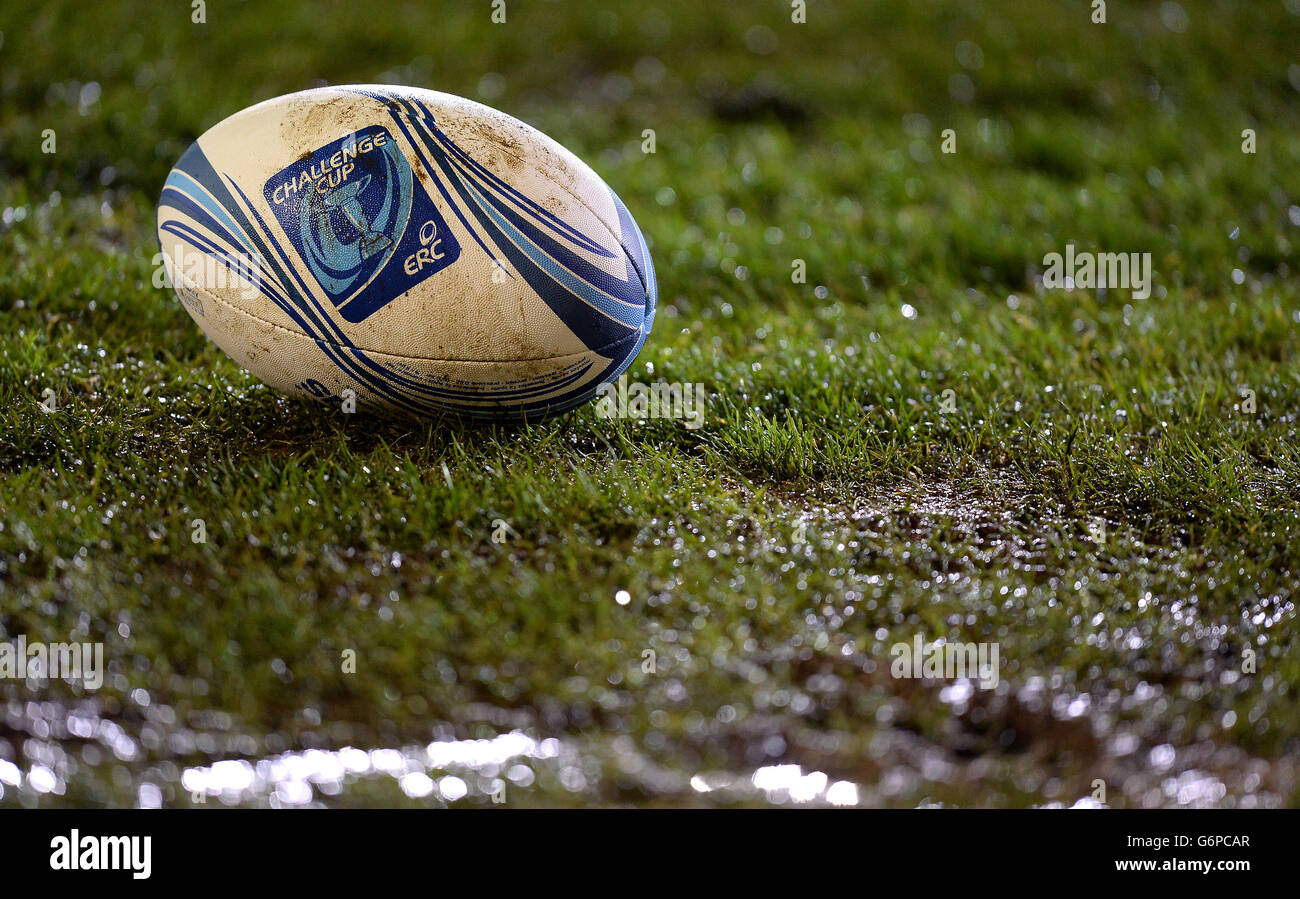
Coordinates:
345 199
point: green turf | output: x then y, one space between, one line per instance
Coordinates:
1099 503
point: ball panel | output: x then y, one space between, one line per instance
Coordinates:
310 368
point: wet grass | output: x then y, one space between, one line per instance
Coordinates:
1110 493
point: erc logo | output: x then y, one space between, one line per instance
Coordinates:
431 251
352 208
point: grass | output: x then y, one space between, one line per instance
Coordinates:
673 610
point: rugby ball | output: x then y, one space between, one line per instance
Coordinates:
414 250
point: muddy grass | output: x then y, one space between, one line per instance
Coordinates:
1140 711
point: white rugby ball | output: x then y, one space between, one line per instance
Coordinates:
425 252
